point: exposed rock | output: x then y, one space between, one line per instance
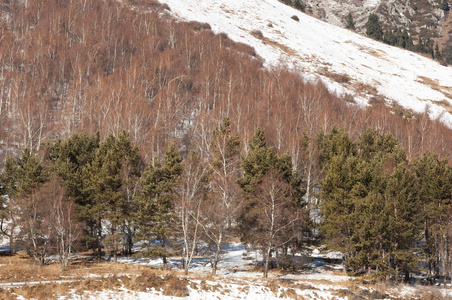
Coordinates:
417 16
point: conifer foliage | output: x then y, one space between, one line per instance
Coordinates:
375 209
373 28
155 214
349 23
272 217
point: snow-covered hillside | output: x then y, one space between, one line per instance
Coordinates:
345 61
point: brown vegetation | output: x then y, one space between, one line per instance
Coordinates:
89 276
83 275
94 66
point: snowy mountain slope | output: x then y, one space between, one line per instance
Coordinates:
345 61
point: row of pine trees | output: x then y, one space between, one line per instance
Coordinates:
389 216
384 213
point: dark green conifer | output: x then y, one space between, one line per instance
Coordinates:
349 23
438 55
21 180
434 188
155 203
449 56
367 197
299 5
373 28
272 198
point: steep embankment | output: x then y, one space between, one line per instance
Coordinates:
347 62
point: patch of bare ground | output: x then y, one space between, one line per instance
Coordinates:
338 77
287 50
445 104
377 53
374 52
21 268
434 85
368 90
168 285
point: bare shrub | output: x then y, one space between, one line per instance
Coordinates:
257 34
175 287
341 78
198 26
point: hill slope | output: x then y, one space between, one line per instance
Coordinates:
347 62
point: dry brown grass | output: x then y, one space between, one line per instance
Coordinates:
434 85
107 275
266 41
22 268
340 78
366 88
87 275
169 285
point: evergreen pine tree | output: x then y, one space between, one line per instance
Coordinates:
445 5
102 183
272 205
449 56
404 39
155 203
68 160
349 23
299 5
21 179
438 55
403 227
373 28
258 161
338 158
429 48
367 198
434 188
421 46
387 37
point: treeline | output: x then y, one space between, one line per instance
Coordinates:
400 38
88 193
386 215
76 74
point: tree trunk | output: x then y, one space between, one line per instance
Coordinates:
344 263
99 238
11 244
217 256
266 261
165 261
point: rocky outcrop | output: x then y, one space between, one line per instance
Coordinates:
419 17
